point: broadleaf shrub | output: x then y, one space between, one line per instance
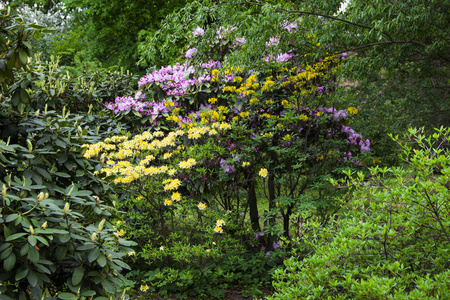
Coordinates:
393 241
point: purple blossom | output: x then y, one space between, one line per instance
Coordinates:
273 41
191 52
239 42
277 245
259 234
222 32
198 31
344 54
283 57
289 26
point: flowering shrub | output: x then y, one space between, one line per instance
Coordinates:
218 133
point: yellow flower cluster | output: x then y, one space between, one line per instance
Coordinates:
167 202
219 224
244 114
215 75
254 100
212 100
176 119
176 196
187 164
352 110
171 184
201 206
303 118
245 164
268 85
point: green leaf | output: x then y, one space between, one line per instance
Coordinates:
88 293
101 260
60 253
23 56
63 158
11 218
77 276
32 278
93 254
33 255
21 273
66 296
64 238
15 236
10 262
32 240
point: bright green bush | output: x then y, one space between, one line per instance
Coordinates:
393 241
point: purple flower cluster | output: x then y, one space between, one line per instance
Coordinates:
336 114
281 57
174 80
273 41
239 42
356 139
191 53
198 31
289 26
228 168
123 104
223 32
212 64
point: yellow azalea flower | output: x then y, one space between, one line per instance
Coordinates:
168 202
218 229
176 196
245 164
303 117
220 223
212 100
287 137
201 206
120 232
144 288
263 172
352 110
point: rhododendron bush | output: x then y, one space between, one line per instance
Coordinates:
221 141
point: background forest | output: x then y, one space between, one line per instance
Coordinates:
229 150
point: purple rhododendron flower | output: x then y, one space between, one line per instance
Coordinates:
283 57
198 31
277 245
289 26
259 234
239 42
273 41
191 52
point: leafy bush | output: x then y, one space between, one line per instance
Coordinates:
393 241
58 220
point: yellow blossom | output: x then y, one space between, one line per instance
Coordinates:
263 172
176 196
352 110
201 205
212 100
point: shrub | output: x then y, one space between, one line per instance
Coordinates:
393 241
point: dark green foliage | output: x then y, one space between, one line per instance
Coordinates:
67 250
